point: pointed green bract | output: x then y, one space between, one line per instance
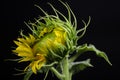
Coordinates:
28 75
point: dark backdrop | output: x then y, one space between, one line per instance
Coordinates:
103 32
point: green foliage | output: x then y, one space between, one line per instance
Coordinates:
94 49
28 75
79 66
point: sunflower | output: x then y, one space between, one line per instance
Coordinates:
36 50
49 41
53 45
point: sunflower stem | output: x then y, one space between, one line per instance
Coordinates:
66 71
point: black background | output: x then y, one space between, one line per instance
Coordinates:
103 32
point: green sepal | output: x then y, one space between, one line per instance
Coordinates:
28 75
79 66
12 59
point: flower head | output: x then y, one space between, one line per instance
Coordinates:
36 50
50 39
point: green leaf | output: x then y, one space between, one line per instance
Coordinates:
93 48
79 66
28 75
84 48
98 52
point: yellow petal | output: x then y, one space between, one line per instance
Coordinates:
23 48
32 38
17 43
22 40
28 40
33 66
26 59
45 30
37 64
25 54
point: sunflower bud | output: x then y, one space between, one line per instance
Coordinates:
49 42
